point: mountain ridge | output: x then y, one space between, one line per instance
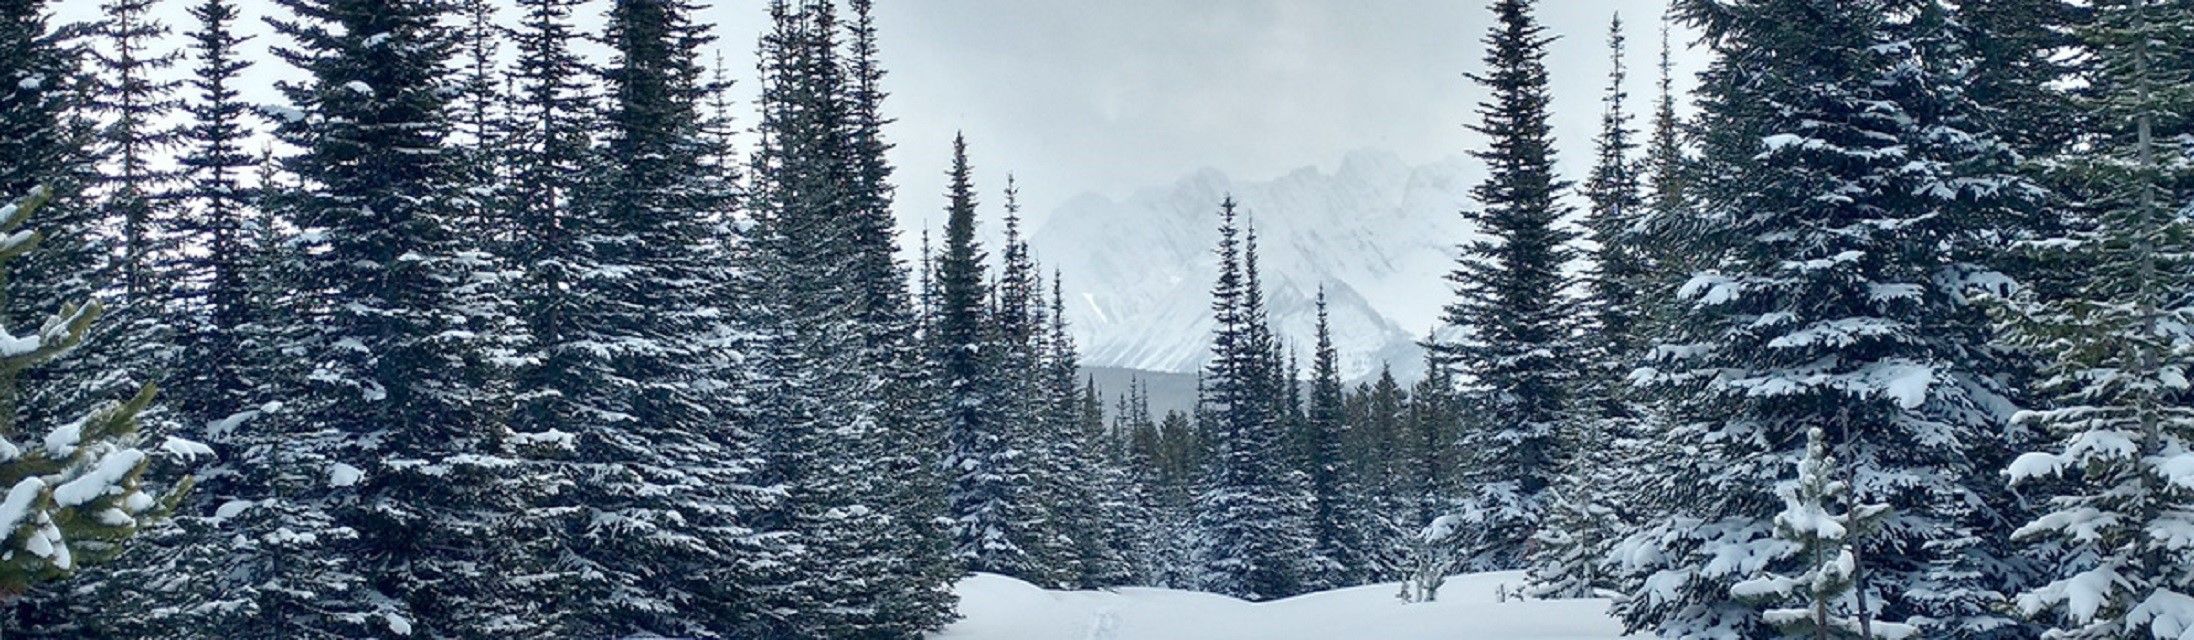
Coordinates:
1378 233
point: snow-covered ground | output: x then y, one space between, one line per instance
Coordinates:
1000 608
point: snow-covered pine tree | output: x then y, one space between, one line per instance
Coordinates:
399 399
77 494
1129 419
45 139
989 483
2120 343
133 105
478 121
654 463
1821 526
1157 544
175 305
536 121
925 286
889 575
176 573
529 565
1427 468
1666 239
1379 421
481 142
911 418
1029 410
809 555
190 307
1664 147
1096 500
1618 205
542 142
2025 60
1377 411
1125 503
216 212
1514 334
1855 191
1426 452
1250 514
1341 553
38 71
552 116
131 108
281 563
1667 228
2019 66
1582 523
1172 538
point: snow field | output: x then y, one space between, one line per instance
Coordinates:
996 607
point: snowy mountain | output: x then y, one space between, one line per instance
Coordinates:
1378 233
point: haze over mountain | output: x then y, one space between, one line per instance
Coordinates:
1378 233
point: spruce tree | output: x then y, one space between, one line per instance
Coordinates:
873 394
1093 501
989 503
76 496
1153 549
910 417
1250 514
537 132
2116 337
399 399
264 553
1172 540
2019 70
1618 206
1583 523
477 121
133 104
180 306
216 212
1378 424
1341 553
36 95
1820 519
47 138
552 116
815 545
1426 455
1516 329
655 466
1856 191
1026 407
1667 231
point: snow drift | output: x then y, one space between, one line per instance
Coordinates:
1000 608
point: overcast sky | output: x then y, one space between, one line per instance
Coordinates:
1110 96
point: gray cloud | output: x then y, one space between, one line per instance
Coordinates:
1113 95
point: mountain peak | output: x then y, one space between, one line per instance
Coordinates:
1371 162
1377 232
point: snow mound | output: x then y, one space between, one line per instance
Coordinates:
999 608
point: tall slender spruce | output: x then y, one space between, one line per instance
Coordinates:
1516 336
